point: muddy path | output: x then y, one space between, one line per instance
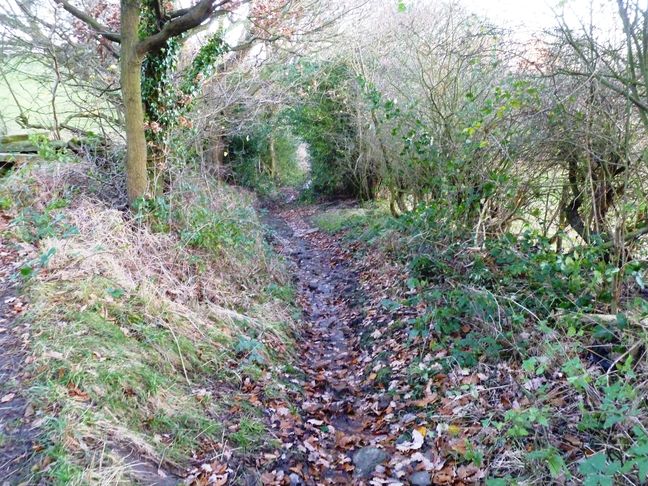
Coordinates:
335 442
17 435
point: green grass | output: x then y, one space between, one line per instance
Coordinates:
336 220
477 304
122 360
123 371
27 85
284 293
110 362
368 223
250 433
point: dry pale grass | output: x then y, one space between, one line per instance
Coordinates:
109 243
199 301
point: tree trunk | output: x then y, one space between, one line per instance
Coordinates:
273 157
215 155
131 74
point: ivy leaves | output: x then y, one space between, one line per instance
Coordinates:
166 101
203 64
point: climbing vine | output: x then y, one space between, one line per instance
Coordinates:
167 101
204 64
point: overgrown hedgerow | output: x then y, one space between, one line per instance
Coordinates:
538 356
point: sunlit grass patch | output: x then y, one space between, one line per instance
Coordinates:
121 363
368 220
26 88
335 220
250 433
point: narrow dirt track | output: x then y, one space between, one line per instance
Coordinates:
329 296
16 433
361 420
349 426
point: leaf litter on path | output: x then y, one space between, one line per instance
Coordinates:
349 404
17 429
369 385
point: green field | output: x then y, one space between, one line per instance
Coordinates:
26 87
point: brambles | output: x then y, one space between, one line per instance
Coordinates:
514 309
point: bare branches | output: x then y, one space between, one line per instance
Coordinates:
625 74
180 22
90 21
190 19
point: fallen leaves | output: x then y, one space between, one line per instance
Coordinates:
370 383
445 475
29 411
15 334
76 393
214 473
343 409
415 444
429 398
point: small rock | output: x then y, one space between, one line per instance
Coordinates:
366 460
252 478
421 478
295 480
313 284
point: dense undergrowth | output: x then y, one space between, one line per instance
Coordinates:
145 326
538 357
266 159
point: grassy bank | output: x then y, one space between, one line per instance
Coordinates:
154 336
